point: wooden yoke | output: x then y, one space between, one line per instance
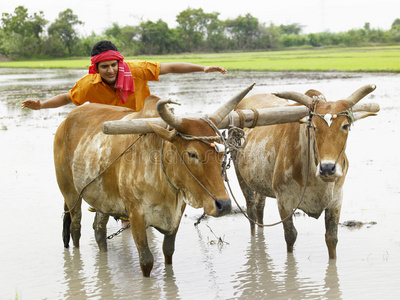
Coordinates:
265 116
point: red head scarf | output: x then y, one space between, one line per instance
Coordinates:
124 80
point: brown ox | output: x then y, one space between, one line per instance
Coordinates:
150 183
274 163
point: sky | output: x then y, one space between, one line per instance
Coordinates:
314 15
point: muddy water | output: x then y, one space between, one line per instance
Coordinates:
218 259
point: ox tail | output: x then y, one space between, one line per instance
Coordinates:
66 234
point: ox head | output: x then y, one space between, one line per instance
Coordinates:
329 124
192 163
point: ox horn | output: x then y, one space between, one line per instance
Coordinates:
165 114
225 109
360 93
295 96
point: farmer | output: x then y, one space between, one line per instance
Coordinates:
113 81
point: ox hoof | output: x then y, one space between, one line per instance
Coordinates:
103 249
146 270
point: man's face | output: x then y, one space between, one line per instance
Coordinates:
108 70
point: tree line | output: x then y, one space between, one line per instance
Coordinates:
30 36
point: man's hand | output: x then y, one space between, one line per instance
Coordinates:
31 104
215 69
56 101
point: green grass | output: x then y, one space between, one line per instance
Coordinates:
365 59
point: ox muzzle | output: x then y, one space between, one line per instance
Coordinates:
223 206
329 171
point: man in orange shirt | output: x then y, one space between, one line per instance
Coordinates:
113 81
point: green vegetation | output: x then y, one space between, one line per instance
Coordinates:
25 36
366 59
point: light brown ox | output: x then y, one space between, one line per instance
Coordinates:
134 185
274 163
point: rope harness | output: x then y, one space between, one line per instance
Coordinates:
231 145
204 139
302 196
328 118
226 143
101 173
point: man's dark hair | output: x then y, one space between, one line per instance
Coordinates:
102 46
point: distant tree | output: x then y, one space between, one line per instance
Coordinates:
154 38
215 38
63 29
22 33
269 36
396 23
294 28
114 31
395 31
85 44
192 28
244 31
314 40
123 37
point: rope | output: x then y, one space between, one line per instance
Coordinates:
195 178
203 138
302 196
163 168
241 118
101 173
255 119
349 115
346 113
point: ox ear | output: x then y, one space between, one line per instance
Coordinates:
363 114
162 132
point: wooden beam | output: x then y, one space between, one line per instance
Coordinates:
266 116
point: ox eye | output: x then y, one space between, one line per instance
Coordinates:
192 155
346 127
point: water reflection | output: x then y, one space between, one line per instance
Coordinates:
117 273
332 281
104 286
262 278
259 276
171 290
73 270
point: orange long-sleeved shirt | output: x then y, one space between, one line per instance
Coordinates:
92 89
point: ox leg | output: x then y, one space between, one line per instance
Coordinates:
169 247
100 230
76 225
72 222
250 202
251 210
138 227
332 216
260 204
66 233
288 227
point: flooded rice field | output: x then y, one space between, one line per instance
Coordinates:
218 259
